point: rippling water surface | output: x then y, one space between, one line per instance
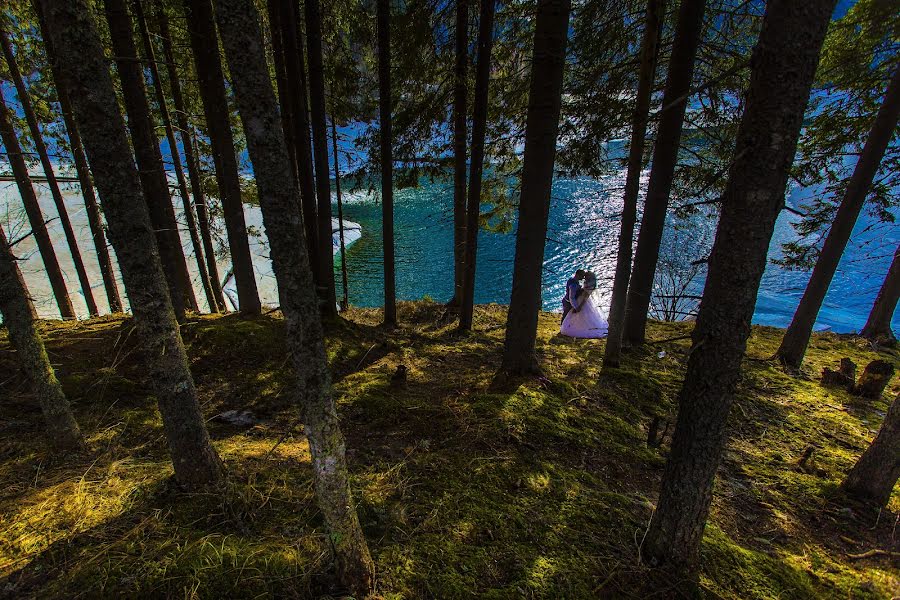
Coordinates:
583 230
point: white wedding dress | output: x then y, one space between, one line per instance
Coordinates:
588 322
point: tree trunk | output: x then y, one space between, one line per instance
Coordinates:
81 59
460 91
873 477
665 156
95 220
242 40
284 100
149 158
191 159
652 24
345 300
796 338
874 379
320 150
211 83
541 130
18 317
41 148
784 64
296 87
383 18
33 210
196 245
479 129
878 325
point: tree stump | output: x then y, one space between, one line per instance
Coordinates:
874 379
845 377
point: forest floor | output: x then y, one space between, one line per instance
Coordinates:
543 488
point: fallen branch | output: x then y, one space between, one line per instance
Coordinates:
873 553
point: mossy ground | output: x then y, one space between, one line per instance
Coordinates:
540 489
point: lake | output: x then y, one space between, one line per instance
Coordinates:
583 230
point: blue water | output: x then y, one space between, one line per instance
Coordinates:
582 233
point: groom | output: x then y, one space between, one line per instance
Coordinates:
570 300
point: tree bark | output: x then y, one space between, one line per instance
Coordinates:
19 317
796 338
149 158
873 477
242 40
784 64
196 245
320 151
296 87
541 130
460 91
383 19
41 148
33 210
874 379
878 325
211 83
95 220
652 23
479 129
345 300
191 158
81 59
688 31
284 101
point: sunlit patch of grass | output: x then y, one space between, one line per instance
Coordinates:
542 488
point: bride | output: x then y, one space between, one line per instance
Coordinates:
585 320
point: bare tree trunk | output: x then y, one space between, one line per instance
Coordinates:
41 148
479 129
211 83
796 338
33 210
87 77
784 64
320 150
383 19
878 325
95 221
191 159
18 317
242 39
345 300
460 91
296 87
149 158
873 477
284 101
652 24
665 157
150 57
541 130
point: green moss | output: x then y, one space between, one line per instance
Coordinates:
542 488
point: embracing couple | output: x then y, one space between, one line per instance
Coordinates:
581 316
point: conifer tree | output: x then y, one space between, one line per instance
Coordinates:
211 85
19 318
81 59
784 64
149 157
688 32
242 39
41 149
541 129
33 210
